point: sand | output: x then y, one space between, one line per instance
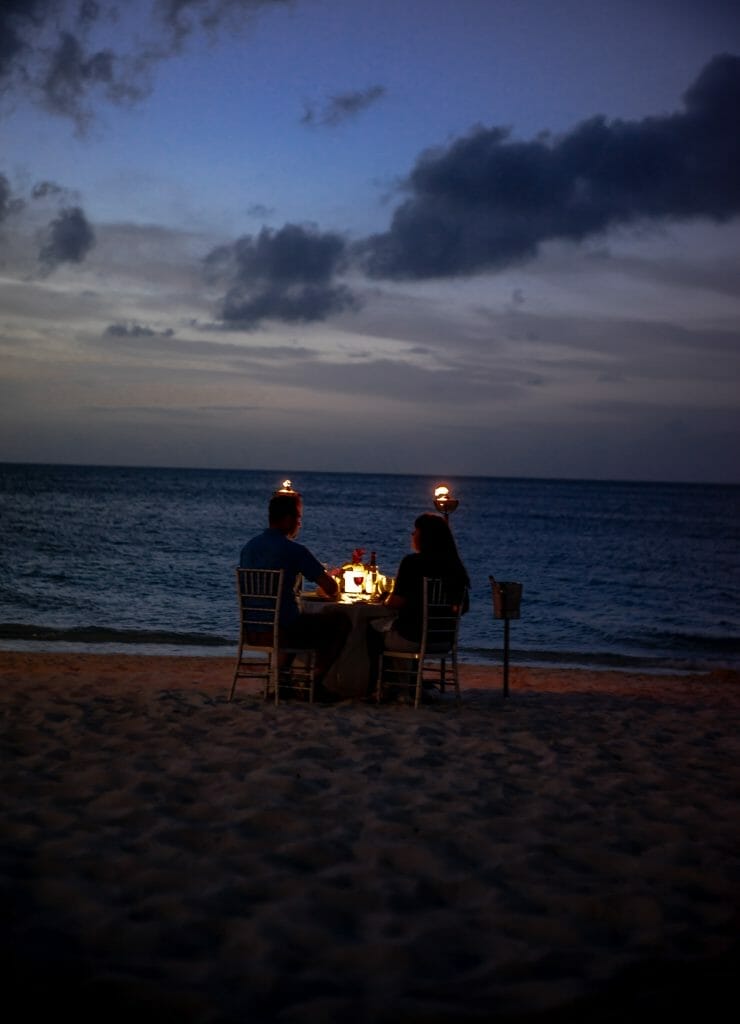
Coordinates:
570 853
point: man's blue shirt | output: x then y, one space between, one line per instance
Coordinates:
273 550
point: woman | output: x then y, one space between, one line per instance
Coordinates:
435 557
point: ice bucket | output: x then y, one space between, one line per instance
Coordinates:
507 598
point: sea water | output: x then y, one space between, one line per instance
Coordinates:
614 574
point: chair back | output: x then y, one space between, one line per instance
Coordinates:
259 592
443 606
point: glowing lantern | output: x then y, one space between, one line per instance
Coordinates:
444 500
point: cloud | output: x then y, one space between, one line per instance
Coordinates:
288 275
164 343
260 211
42 189
6 198
342 106
10 203
136 331
47 53
69 238
66 238
183 18
488 201
71 74
62 52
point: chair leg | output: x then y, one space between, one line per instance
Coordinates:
455 677
284 672
274 674
236 673
268 676
379 683
419 683
283 664
311 676
406 679
379 693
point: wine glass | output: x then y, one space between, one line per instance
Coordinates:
359 578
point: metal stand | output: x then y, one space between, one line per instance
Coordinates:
506 602
506 657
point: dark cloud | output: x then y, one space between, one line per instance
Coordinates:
292 304
136 331
488 201
9 203
69 238
342 106
287 275
42 189
72 73
47 53
62 52
5 197
17 17
260 211
183 18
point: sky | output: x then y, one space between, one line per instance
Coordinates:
447 237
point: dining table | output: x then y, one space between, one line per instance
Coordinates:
350 673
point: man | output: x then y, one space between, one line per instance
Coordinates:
276 548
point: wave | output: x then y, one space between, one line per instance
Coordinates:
620 660
108 635
684 641
693 658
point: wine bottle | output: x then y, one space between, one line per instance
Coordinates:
373 568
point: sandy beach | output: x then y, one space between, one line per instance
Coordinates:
569 853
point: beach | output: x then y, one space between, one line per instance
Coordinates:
568 852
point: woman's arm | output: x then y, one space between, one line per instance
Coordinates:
399 598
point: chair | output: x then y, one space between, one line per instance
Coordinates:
411 670
260 655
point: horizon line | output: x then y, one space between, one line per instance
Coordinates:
349 472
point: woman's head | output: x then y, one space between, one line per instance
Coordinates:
434 541
432 536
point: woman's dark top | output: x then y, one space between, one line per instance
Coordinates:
410 586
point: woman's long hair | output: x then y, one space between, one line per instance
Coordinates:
436 542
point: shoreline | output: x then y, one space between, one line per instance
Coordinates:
565 854
483 659
473 675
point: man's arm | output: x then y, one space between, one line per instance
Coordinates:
312 569
328 585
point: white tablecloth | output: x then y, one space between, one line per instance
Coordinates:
350 672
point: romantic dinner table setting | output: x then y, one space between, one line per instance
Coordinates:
363 589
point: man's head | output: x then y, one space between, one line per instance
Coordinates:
285 513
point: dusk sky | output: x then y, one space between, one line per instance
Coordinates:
490 237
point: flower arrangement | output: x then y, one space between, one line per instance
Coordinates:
357 555
356 559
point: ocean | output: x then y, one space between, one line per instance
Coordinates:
614 574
